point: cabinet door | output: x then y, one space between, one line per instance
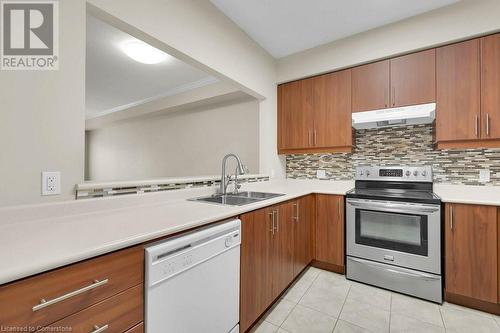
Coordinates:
490 86
330 229
282 261
295 115
370 86
471 251
413 79
302 218
256 265
458 92
332 110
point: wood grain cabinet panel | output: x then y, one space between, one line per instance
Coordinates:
413 79
458 92
332 110
137 329
118 313
122 269
329 230
256 265
295 115
370 86
490 86
303 218
283 251
471 250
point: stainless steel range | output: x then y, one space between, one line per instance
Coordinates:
393 223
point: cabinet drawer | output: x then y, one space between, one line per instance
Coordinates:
113 315
137 329
70 289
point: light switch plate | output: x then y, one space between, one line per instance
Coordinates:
320 174
51 182
484 175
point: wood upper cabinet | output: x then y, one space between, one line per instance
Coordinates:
256 265
332 110
303 218
458 92
329 230
471 251
490 86
401 81
370 86
295 115
413 79
314 115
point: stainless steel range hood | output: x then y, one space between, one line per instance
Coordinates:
407 115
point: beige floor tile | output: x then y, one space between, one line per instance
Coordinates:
467 321
404 324
368 316
327 299
282 330
305 320
329 279
346 327
278 313
447 305
370 295
297 290
264 327
416 308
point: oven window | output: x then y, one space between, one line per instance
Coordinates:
392 231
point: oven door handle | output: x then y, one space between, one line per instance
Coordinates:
383 267
403 208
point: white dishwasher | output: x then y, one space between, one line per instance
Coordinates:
193 281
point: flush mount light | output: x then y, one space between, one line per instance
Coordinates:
144 53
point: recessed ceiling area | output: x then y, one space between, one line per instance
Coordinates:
283 27
115 81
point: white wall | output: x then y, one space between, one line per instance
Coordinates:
196 32
42 118
462 20
184 143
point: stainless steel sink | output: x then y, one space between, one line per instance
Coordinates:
237 199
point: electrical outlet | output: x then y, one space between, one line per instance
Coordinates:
51 183
320 174
484 175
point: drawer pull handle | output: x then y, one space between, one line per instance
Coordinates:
44 303
98 329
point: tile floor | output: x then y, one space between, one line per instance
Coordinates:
321 302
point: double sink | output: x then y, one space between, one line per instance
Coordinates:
237 199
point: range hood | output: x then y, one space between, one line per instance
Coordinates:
407 115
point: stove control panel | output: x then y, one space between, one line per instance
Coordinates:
395 173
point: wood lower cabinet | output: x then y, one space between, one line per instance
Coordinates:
303 219
275 248
471 252
329 231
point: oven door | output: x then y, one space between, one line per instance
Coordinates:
397 233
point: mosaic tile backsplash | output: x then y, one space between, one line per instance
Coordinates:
405 145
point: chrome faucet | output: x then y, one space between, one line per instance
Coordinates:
224 181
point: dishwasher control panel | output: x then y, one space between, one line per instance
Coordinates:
166 260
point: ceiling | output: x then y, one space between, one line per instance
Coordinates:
115 82
283 27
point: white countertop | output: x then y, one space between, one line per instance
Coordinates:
37 238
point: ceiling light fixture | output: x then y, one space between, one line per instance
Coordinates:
144 53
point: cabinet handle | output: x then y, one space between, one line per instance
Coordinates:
451 217
487 124
393 96
296 217
271 215
44 303
476 124
315 137
277 220
338 208
98 329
